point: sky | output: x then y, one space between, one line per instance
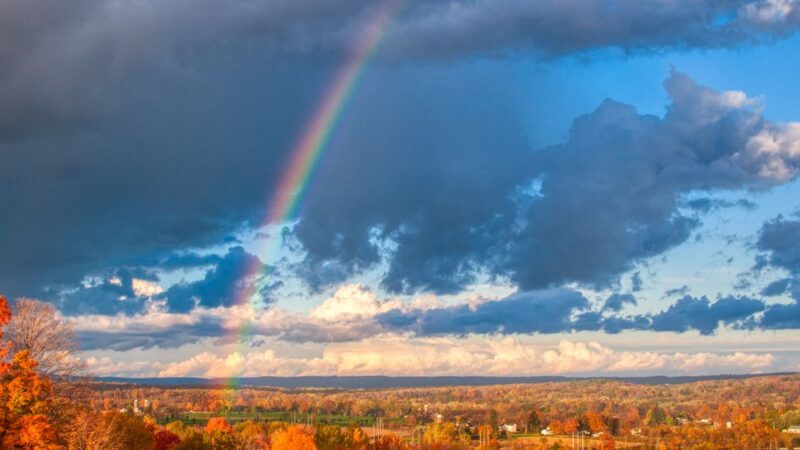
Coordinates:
351 187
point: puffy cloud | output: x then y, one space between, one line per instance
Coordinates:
399 355
349 314
735 361
351 302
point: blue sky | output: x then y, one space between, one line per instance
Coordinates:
513 188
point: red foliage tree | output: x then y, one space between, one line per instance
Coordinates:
166 440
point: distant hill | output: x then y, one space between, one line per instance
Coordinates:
382 382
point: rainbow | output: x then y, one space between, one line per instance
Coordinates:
288 194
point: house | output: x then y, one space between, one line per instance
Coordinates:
547 432
794 429
508 428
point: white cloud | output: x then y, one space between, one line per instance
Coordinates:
402 355
145 288
352 302
777 149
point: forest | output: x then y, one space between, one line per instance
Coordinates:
46 402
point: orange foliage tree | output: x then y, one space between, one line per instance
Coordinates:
24 398
218 424
293 438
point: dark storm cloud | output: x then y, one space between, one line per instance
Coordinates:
132 130
542 312
146 337
564 310
557 27
782 316
636 282
690 313
583 211
780 240
109 295
616 302
235 274
62 61
707 204
777 287
189 260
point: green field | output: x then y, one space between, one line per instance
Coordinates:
200 418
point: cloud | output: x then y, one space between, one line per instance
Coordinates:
782 316
128 45
777 287
585 211
238 273
690 313
354 313
398 355
554 28
636 282
543 312
122 110
616 302
563 310
118 292
779 239
346 316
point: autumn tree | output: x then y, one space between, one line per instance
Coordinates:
24 397
251 435
607 442
127 432
295 437
219 434
38 328
218 424
533 421
596 422
390 442
655 416
166 440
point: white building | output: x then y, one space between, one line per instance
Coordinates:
508 427
794 429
